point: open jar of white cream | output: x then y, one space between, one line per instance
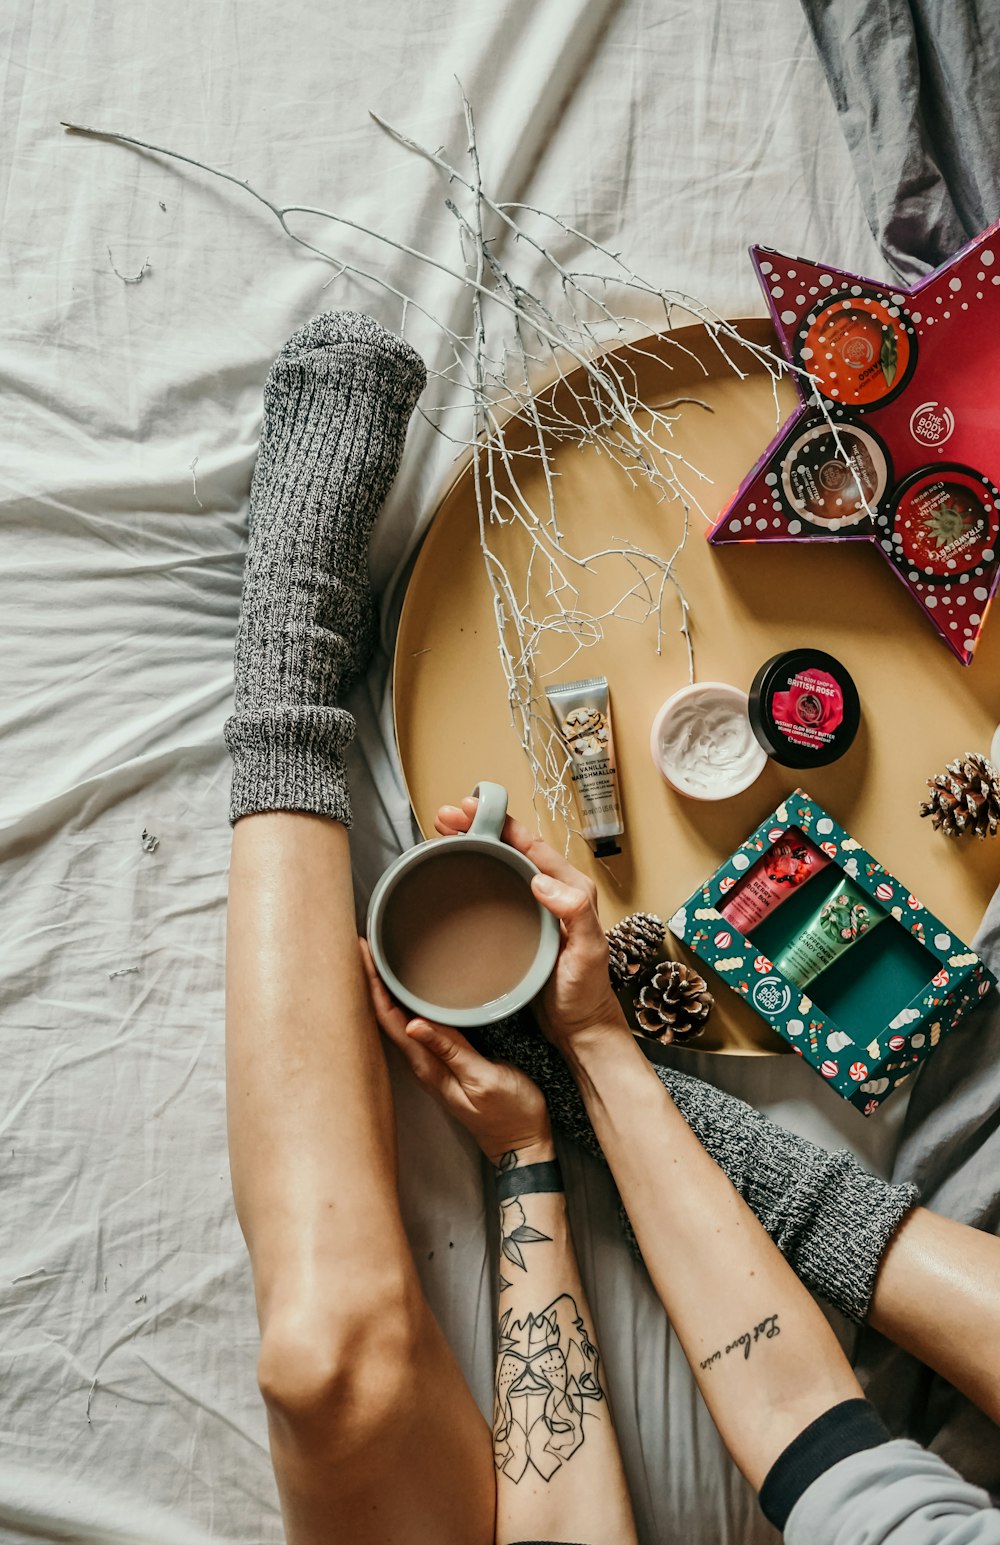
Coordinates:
703 743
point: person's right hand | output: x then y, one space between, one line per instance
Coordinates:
578 999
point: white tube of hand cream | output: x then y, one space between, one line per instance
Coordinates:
582 712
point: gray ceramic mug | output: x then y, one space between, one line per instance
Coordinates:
482 837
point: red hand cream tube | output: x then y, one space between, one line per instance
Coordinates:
789 863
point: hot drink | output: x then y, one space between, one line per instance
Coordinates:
461 929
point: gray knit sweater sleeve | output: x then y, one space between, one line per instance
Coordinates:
896 1494
829 1217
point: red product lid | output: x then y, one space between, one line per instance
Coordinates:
804 708
860 350
942 524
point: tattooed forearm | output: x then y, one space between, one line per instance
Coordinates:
547 1370
513 1181
766 1330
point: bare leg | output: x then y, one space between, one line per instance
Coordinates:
374 1434
937 1295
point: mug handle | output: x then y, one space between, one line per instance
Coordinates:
491 811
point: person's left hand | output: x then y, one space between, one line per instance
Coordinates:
502 1107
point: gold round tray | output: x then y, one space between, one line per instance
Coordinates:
920 707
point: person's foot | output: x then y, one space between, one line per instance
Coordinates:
337 402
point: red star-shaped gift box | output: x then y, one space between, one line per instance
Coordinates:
911 380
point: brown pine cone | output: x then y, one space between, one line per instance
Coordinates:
965 797
673 1003
633 944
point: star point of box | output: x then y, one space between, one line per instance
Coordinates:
896 439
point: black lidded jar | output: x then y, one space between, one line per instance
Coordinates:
804 708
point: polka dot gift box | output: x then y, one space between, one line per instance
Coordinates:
833 951
897 441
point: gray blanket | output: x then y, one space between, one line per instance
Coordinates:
916 84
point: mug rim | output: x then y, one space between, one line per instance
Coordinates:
496 1009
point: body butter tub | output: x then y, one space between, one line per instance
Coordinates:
860 349
703 744
944 524
833 480
804 708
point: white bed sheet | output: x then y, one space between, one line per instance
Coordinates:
674 130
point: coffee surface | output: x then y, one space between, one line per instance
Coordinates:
461 929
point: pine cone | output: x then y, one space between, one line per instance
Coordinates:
965 797
673 1003
632 944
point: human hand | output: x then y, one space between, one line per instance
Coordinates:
578 1000
502 1107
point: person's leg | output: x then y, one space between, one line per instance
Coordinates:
937 1295
374 1433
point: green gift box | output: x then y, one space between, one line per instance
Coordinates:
886 1002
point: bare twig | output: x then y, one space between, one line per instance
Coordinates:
194 481
561 360
146 268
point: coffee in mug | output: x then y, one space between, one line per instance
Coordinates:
454 929
461 929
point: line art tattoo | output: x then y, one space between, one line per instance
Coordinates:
547 1370
515 1231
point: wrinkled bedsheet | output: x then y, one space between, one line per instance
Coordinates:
676 131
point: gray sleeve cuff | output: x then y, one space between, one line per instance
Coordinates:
895 1494
840 1220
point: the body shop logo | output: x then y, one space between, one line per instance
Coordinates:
932 423
858 351
771 995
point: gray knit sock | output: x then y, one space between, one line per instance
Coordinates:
829 1217
336 405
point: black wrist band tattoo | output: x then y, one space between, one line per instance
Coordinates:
521 1179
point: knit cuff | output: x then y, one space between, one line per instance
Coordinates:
853 1217
831 1219
290 758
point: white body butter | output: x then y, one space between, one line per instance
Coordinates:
703 744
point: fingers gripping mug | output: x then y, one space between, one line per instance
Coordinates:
454 929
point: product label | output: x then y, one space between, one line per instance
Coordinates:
834 480
811 711
946 523
840 922
594 779
806 956
857 350
585 731
791 860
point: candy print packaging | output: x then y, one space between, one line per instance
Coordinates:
847 965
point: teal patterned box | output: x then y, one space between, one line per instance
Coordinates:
880 1019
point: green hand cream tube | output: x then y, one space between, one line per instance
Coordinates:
838 922
582 712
